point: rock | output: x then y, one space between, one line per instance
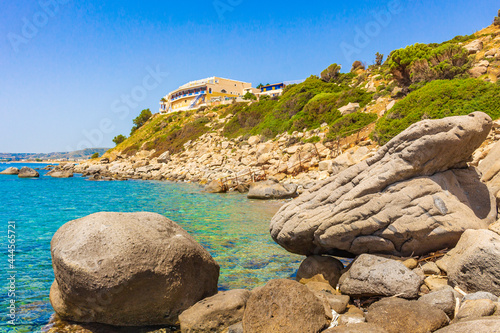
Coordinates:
483 325
61 174
357 328
284 306
326 165
270 189
349 108
26 172
474 46
495 227
443 299
215 186
390 105
320 268
216 313
476 72
410 263
431 268
10 171
350 319
398 315
131 269
104 160
475 309
481 295
407 199
164 158
435 283
331 299
236 328
370 275
474 264
253 140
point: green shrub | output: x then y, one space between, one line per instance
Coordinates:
94 155
141 119
331 73
436 100
249 97
428 62
350 124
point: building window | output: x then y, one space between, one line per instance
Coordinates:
224 91
209 90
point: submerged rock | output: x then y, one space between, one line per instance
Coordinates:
10 171
409 198
271 189
26 172
128 270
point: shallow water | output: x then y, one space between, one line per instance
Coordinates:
233 229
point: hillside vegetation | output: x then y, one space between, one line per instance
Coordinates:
420 81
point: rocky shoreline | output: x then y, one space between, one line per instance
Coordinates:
419 217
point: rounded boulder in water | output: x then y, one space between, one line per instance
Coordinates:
128 269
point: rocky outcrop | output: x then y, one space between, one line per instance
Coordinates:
26 172
271 189
474 264
410 198
128 270
370 275
60 174
10 171
284 306
349 108
216 313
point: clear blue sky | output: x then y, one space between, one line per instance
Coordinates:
65 69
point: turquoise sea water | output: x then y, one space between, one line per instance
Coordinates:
233 229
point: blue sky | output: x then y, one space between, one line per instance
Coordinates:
74 74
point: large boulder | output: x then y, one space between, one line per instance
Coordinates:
443 299
397 315
271 189
370 275
60 174
10 171
215 186
128 270
474 264
409 198
26 172
284 306
216 313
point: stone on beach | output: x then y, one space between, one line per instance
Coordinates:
320 268
483 325
474 264
271 189
10 171
128 269
397 315
284 306
370 275
410 198
215 313
26 172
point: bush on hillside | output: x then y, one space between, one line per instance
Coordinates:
246 117
436 100
424 63
175 139
357 65
350 124
331 73
379 58
249 97
94 155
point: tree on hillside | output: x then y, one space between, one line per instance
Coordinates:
357 65
141 120
379 59
94 155
119 139
496 21
331 73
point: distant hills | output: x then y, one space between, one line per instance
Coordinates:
84 154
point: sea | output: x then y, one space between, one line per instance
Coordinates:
232 228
